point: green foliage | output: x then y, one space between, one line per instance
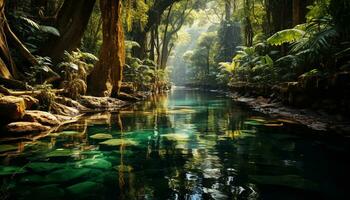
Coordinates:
285 36
46 97
40 72
75 69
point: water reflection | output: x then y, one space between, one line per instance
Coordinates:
185 145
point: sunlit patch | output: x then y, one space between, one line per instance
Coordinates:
273 125
101 136
287 121
180 111
124 168
263 122
176 136
119 142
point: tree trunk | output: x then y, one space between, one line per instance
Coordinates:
106 78
72 20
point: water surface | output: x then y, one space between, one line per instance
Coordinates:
184 145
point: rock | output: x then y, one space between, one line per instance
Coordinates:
11 170
94 163
127 97
101 102
30 101
85 190
39 167
70 103
41 117
52 192
66 175
61 109
101 136
12 108
26 127
119 142
61 153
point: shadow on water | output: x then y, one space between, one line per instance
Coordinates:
184 145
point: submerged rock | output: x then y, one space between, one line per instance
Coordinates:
26 127
101 136
85 190
94 163
39 167
11 170
61 153
119 142
12 108
42 117
66 175
52 192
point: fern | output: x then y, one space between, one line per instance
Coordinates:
285 36
50 30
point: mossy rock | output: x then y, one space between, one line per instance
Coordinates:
85 190
94 163
44 192
52 192
61 153
11 170
66 175
39 167
33 179
67 133
291 181
101 136
119 142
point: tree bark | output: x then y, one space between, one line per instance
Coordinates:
71 22
106 78
5 56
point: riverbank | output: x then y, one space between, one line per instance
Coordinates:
318 104
35 113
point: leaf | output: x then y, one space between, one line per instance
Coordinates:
285 36
50 29
31 22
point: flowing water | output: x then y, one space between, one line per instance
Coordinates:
184 145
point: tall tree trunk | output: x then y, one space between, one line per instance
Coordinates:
72 20
140 36
106 78
7 66
5 56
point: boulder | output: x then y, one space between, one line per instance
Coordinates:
101 102
41 117
12 108
26 127
64 110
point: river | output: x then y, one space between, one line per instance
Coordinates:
184 145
